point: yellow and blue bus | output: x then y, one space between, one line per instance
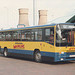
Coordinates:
52 42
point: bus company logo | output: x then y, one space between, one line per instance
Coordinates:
71 48
18 46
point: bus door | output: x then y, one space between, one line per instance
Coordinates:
49 39
74 37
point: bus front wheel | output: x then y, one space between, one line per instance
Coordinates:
37 56
5 53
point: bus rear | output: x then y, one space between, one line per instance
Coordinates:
65 42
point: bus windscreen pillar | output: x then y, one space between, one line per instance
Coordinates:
23 17
42 17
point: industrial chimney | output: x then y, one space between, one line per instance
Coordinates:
23 17
42 17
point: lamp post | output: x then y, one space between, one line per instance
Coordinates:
33 12
7 16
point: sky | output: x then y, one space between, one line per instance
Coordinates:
58 11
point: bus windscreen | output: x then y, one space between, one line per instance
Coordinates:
65 35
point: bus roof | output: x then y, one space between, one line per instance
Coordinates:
14 29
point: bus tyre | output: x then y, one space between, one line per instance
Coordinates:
37 56
5 52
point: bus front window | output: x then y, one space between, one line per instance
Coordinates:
65 35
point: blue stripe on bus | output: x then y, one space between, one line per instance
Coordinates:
20 51
55 55
51 54
30 52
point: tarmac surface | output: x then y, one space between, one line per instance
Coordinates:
15 66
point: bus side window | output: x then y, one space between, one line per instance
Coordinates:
2 37
16 36
49 35
8 36
23 35
32 35
38 34
26 35
52 36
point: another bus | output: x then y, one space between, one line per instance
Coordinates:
52 42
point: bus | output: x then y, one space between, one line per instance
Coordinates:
52 42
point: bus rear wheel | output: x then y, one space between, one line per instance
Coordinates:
37 56
5 53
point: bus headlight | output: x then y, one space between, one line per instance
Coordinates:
62 52
61 59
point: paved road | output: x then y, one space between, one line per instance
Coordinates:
14 66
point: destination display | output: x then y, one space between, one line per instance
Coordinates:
67 26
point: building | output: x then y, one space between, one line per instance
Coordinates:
71 20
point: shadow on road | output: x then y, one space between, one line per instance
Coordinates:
61 63
44 62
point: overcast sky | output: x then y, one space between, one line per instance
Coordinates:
9 15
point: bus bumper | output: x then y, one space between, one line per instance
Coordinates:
64 56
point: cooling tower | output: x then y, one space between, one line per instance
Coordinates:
23 17
42 17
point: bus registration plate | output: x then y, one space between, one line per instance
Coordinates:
72 55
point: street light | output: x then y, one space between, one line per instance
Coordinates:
33 12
